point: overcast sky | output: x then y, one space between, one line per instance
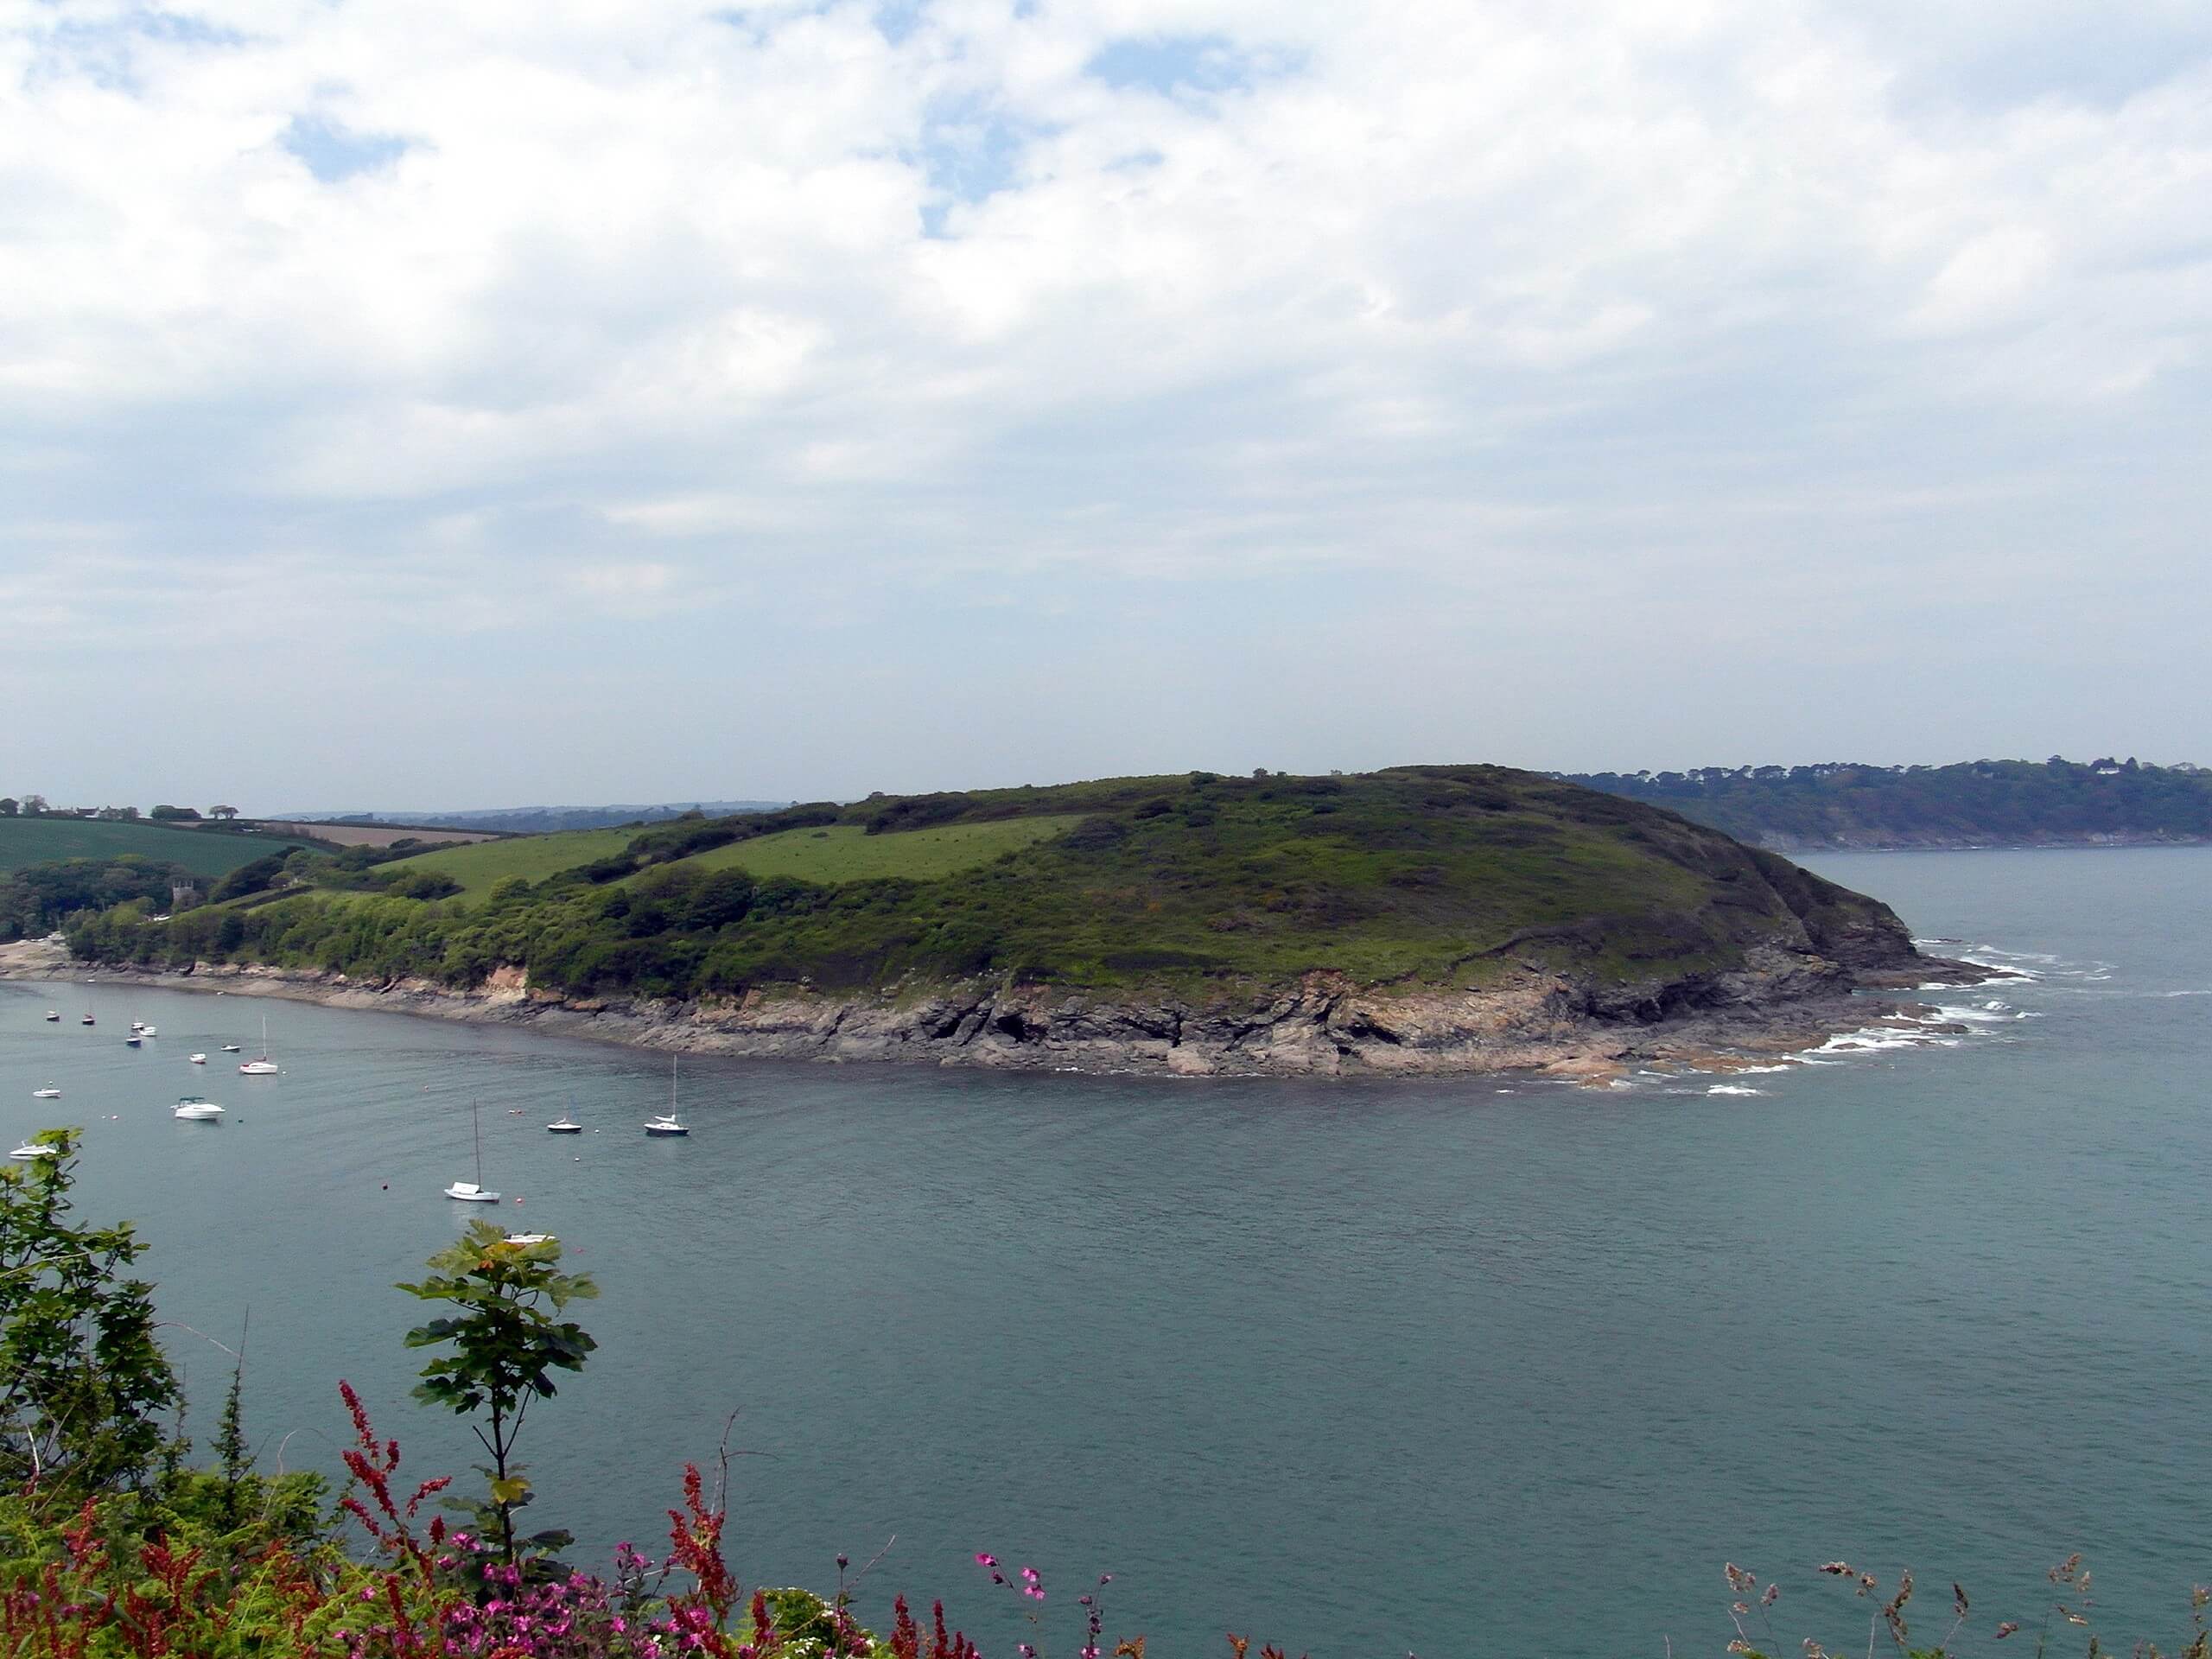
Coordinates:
432 404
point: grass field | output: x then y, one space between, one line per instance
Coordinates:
43 841
846 852
531 857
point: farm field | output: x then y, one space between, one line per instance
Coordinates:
533 858
43 841
846 852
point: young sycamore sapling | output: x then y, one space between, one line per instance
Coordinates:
507 1342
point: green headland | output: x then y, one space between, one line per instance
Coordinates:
1431 910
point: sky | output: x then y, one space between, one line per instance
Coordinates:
414 405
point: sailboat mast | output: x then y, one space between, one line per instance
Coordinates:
476 1124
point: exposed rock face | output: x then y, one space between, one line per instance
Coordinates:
1792 993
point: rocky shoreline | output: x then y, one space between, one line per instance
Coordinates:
1534 1022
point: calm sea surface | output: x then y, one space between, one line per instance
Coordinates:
1449 1366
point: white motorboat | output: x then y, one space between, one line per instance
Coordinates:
564 1125
264 1067
31 1149
200 1060
134 1040
530 1238
193 1109
475 1192
52 1017
667 1123
88 1020
48 1093
148 1030
138 1025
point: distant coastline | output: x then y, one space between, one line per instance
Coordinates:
1974 806
1792 846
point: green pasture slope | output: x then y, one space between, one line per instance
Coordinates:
479 864
846 852
25 842
838 853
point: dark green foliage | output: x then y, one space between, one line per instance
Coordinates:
43 896
84 1387
2017 802
505 1344
256 877
422 884
232 1461
918 812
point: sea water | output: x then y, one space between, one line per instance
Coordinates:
1446 1367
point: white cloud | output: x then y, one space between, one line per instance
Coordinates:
1443 288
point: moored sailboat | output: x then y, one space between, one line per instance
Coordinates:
263 1067
668 1122
475 1192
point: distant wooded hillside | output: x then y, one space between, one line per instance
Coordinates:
2056 803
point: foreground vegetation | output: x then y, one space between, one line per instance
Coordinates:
1979 802
1425 874
114 1545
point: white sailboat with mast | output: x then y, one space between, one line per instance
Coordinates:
667 1123
475 1192
265 1066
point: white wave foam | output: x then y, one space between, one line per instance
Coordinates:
1732 1089
1871 1039
1989 1014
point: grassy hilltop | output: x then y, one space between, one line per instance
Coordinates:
203 851
1412 876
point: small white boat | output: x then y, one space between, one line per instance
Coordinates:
200 1060
530 1238
195 1109
134 1040
48 1093
148 1030
138 1025
52 1017
30 1150
264 1067
87 1020
475 1192
563 1125
667 1123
